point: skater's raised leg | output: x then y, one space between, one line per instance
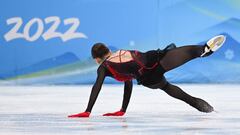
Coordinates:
177 57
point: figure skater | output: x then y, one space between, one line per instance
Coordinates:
148 68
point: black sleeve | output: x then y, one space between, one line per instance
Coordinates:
127 94
96 87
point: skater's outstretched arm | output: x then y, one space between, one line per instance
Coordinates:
127 95
94 93
96 88
126 98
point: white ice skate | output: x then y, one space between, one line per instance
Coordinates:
213 45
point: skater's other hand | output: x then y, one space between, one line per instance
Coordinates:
83 115
118 113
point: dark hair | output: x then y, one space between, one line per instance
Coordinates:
99 50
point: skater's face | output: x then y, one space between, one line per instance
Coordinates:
98 60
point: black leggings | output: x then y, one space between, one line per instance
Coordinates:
173 59
179 56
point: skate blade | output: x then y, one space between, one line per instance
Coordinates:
216 42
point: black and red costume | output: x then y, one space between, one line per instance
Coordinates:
148 69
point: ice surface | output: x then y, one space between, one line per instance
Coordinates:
44 110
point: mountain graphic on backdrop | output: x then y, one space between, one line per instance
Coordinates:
230 26
60 60
63 59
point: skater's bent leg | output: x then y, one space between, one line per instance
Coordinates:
177 57
178 93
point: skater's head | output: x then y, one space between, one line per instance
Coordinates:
100 52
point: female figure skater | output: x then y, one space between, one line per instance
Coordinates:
148 69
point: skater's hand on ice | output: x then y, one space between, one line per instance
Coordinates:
118 113
83 114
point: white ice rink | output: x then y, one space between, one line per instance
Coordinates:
44 110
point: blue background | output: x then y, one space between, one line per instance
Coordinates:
125 24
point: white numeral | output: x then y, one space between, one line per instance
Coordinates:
13 33
38 32
71 32
51 32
